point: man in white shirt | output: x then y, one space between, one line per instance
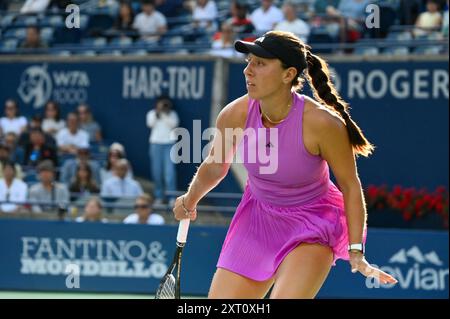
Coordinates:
293 24
34 6
266 17
12 189
204 15
119 185
150 23
162 120
53 195
71 138
143 212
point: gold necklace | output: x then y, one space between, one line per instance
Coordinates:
270 120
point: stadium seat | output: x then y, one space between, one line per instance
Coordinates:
137 52
367 51
172 40
121 42
87 53
26 20
396 50
9 44
113 52
47 34
84 20
7 20
94 42
399 36
60 52
54 21
428 50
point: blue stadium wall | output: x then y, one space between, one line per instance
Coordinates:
401 106
94 257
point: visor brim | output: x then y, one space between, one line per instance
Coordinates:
251 47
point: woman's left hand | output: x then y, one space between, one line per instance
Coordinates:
359 263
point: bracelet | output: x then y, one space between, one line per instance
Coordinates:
187 212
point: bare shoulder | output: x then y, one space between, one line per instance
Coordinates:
320 120
234 114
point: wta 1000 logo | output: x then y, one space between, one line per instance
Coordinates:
38 85
92 257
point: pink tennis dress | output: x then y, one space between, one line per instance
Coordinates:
296 203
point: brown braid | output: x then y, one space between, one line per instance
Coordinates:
324 91
318 76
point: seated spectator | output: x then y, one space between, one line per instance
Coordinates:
83 184
12 121
52 122
204 14
93 211
239 20
430 20
224 46
34 6
48 191
321 7
12 189
125 19
37 150
35 123
351 15
266 17
150 23
120 185
293 24
71 138
116 151
33 39
143 212
323 16
16 151
5 157
88 124
70 167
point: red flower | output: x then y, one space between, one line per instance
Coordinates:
410 202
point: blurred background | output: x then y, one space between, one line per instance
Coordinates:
91 91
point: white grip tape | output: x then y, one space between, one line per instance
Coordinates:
183 228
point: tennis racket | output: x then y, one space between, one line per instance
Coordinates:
169 288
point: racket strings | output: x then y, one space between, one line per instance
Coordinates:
166 289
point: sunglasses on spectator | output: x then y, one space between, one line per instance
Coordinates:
141 206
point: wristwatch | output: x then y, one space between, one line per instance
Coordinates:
359 247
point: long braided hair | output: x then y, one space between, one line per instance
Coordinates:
318 76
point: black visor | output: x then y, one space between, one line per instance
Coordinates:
271 47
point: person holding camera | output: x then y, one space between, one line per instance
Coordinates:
162 120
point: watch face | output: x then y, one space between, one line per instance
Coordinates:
356 247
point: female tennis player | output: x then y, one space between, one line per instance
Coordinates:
293 224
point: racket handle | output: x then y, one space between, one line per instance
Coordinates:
183 228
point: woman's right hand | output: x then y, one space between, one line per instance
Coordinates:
179 212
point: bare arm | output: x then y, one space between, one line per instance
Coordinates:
215 167
335 148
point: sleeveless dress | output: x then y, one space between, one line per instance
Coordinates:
282 207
